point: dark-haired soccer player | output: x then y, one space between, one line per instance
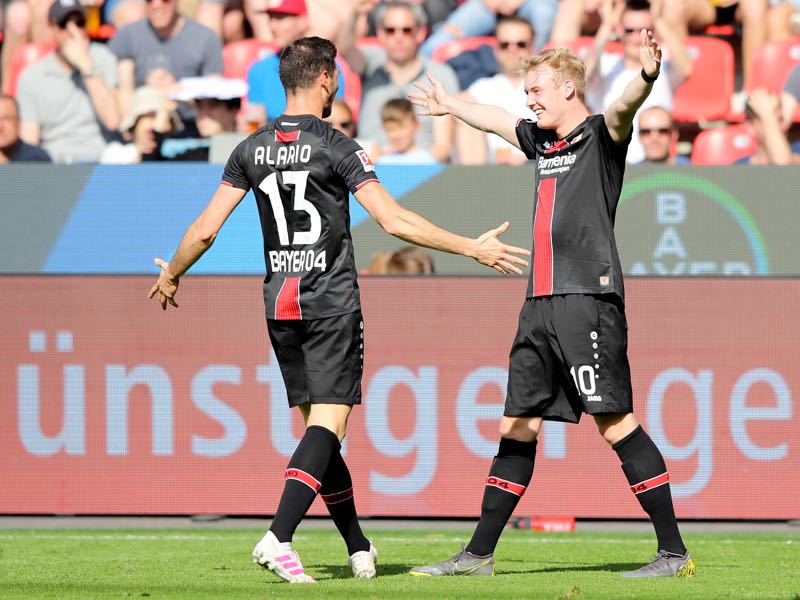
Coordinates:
301 171
570 352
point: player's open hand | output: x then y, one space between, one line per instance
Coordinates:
166 287
431 98
495 254
650 53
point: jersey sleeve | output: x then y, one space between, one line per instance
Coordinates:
350 161
526 134
235 173
616 150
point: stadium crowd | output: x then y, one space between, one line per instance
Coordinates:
124 81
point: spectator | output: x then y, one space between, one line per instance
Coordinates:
659 137
217 101
151 119
764 113
607 73
160 49
401 31
13 149
121 12
341 118
67 99
515 39
479 17
288 21
400 125
23 21
408 260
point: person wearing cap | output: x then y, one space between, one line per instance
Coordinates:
288 22
151 119
162 48
67 100
217 100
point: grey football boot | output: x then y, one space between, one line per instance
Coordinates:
462 563
665 565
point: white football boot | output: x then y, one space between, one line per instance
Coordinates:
281 559
363 563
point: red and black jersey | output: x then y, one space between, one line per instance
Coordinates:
302 171
579 180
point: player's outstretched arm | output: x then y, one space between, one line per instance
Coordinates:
411 227
198 238
434 100
619 115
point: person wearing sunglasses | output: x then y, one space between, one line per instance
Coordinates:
515 40
607 73
402 28
67 100
659 136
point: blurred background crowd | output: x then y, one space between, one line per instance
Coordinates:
125 81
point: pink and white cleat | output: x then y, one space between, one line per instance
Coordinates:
281 559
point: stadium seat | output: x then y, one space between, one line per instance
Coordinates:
772 64
723 145
24 56
455 47
352 86
239 55
706 94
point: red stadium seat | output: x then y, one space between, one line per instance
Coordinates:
772 64
238 56
352 86
723 145
368 42
706 94
23 57
453 48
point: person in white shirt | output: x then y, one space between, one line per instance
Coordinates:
515 39
608 73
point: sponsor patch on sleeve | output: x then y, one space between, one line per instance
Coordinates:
366 162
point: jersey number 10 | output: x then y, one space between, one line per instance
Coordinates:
298 179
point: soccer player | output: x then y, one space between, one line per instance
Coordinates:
570 353
301 171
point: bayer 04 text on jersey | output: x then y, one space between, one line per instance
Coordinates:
296 261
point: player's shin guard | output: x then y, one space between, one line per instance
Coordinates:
337 492
647 474
508 479
303 479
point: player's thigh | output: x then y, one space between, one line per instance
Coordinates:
330 416
531 366
287 343
592 335
615 427
333 351
522 429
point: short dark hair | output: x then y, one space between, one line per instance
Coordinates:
12 100
303 60
515 19
637 5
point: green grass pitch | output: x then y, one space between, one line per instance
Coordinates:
215 563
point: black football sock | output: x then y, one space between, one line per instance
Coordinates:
647 473
303 479
509 476
337 493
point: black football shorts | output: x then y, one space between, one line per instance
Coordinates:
321 360
570 356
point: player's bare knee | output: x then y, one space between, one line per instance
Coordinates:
519 428
616 426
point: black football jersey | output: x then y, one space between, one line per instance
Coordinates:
579 180
302 171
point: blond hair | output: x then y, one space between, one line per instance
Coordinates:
565 66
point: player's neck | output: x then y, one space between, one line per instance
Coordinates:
571 120
303 105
